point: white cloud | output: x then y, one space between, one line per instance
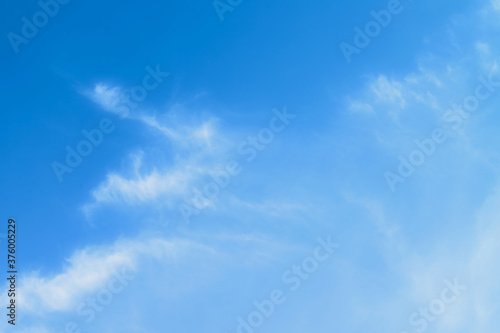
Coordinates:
496 4
110 99
361 107
388 91
271 208
89 270
395 97
473 263
482 265
197 149
482 48
164 269
114 100
141 187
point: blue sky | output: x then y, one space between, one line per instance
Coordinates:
301 140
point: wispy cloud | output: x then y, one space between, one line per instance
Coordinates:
271 207
195 151
388 91
167 184
89 270
109 98
496 4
